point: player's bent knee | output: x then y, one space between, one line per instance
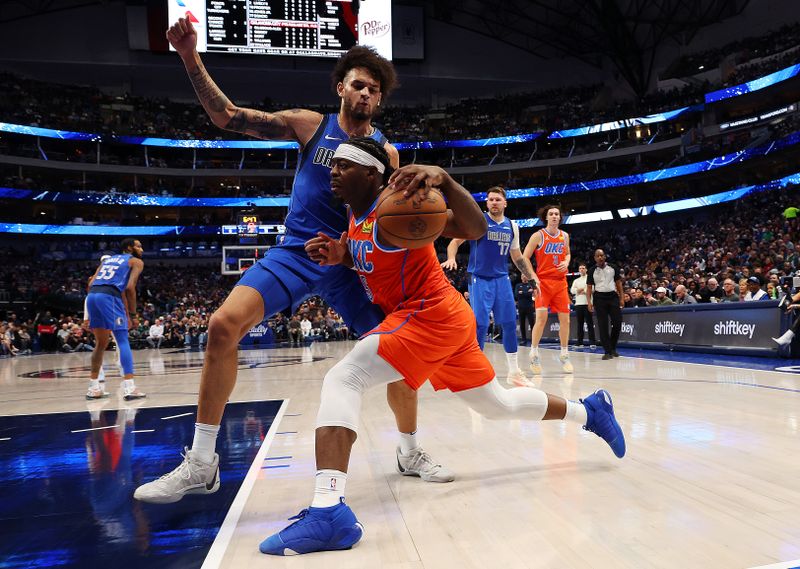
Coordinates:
340 400
223 329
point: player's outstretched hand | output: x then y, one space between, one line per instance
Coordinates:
416 180
450 265
182 36
325 250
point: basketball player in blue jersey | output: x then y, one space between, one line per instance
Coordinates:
111 309
286 276
490 287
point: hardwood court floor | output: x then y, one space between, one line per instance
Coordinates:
710 479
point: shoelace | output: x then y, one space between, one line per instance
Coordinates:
422 459
182 470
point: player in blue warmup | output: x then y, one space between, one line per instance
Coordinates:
111 309
286 276
489 286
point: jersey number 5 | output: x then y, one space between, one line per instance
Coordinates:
106 273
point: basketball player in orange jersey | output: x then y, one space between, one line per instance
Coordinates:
429 333
551 248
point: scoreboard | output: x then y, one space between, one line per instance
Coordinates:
312 28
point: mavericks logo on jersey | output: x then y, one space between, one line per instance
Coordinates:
502 236
323 156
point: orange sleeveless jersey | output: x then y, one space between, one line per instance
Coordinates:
429 331
549 254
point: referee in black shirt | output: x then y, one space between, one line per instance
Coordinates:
604 293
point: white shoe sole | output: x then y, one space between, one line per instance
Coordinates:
172 498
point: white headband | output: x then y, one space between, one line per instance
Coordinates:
355 154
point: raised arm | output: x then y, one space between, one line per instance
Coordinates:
294 124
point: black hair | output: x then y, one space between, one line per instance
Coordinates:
375 149
127 243
379 67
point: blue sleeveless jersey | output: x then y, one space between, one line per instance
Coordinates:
488 256
312 206
114 271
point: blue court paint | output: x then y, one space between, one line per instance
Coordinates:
66 499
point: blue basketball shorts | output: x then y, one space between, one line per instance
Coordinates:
493 295
106 311
285 277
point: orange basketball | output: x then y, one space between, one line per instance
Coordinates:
408 225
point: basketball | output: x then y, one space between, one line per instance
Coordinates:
408 225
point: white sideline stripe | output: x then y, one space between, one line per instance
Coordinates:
176 416
220 546
782 565
144 431
93 429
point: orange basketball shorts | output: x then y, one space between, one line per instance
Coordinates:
436 340
553 295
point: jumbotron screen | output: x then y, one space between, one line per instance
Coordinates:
312 28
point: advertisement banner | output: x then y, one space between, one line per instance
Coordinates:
750 325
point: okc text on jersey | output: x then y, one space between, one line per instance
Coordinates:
359 250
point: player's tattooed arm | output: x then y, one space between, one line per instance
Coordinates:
523 265
293 124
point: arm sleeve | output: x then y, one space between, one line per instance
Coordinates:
515 233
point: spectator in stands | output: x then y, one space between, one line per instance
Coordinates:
46 328
581 306
156 333
295 331
712 292
682 296
730 292
305 326
742 289
62 336
6 347
754 290
661 298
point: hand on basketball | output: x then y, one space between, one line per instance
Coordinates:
416 180
325 250
450 265
182 36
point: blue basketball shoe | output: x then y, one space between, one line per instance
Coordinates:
601 421
316 529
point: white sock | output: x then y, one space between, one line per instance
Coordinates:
576 412
513 363
564 351
205 442
102 375
408 442
535 352
328 488
94 384
128 385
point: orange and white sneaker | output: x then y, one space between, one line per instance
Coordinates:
517 378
